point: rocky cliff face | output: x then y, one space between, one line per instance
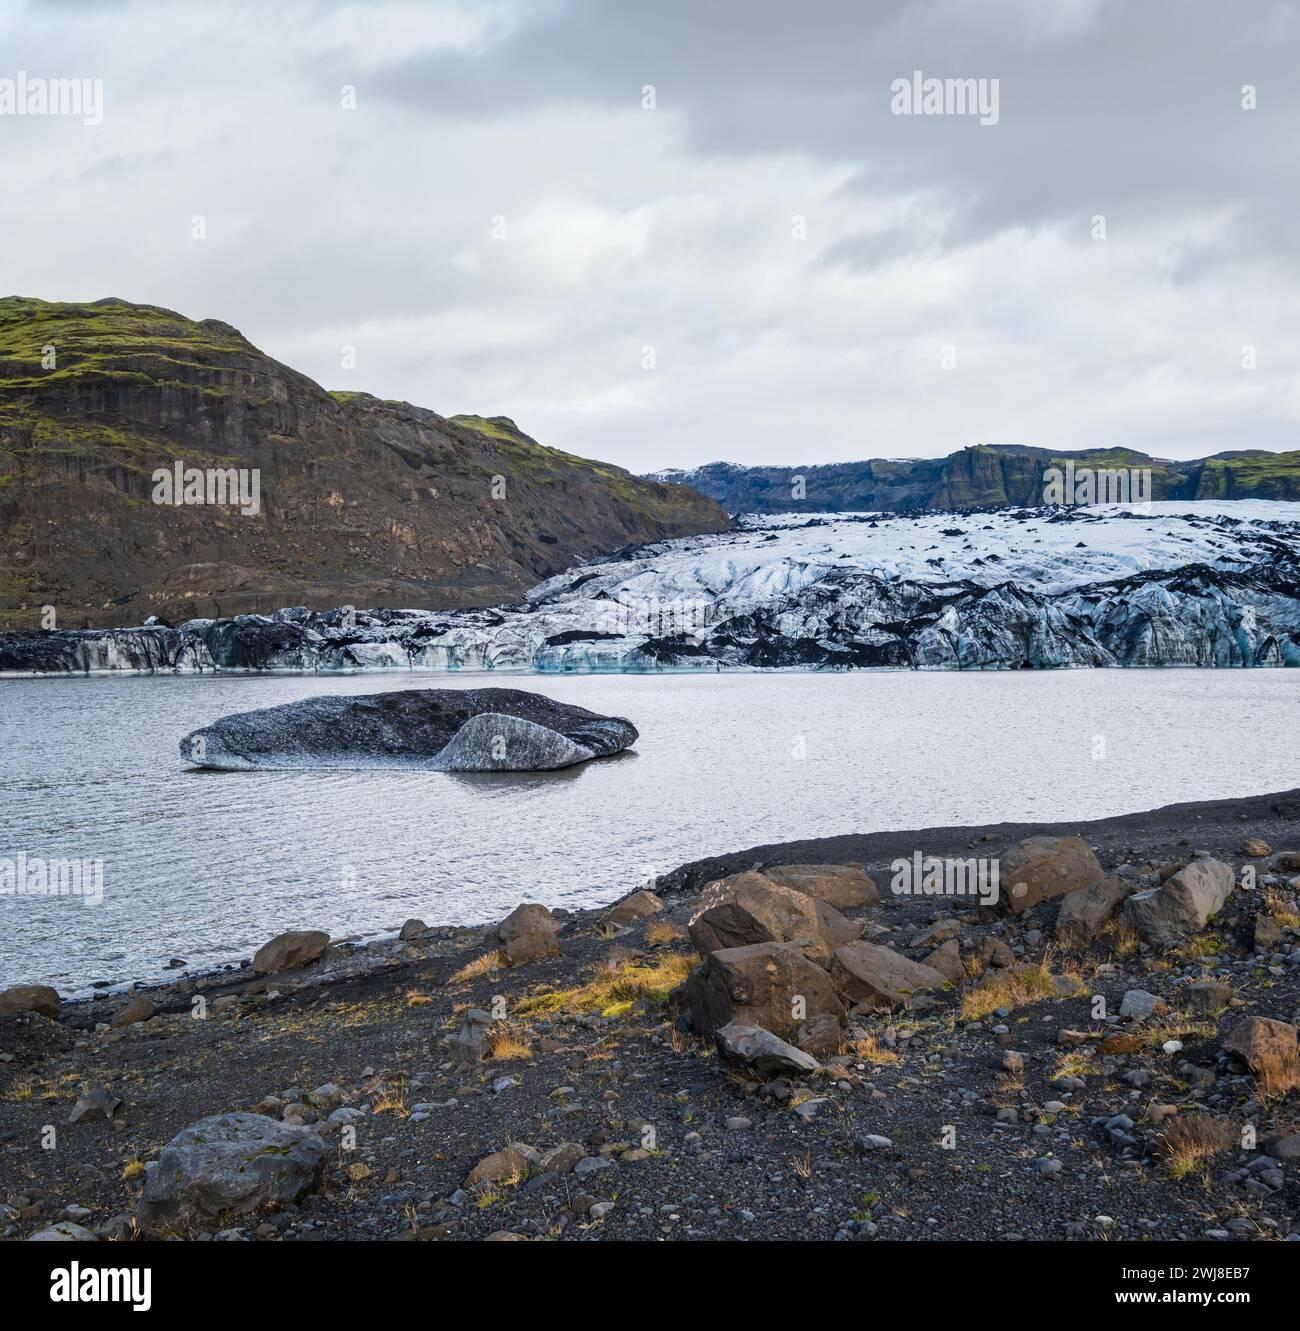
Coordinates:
360 501
993 476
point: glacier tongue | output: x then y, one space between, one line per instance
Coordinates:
1190 583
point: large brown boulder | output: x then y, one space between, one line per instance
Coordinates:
878 978
290 951
1083 915
636 907
749 908
772 985
31 998
1045 866
1166 915
844 886
136 1009
511 1162
527 933
1268 1048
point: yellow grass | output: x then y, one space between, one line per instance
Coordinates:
661 933
614 989
1184 1144
389 1101
1010 988
507 1043
484 965
869 1050
1123 937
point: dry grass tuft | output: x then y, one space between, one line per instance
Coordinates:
1184 1144
1123 937
484 965
1014 987
613 990
508 1043
663 932
389 1100
869 1050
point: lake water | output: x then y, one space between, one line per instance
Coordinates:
208 865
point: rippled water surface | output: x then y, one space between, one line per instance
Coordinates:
208 865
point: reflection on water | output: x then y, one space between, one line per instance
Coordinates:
208 865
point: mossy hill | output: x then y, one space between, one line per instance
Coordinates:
982 476
362 501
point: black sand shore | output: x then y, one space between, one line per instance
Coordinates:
923 1125
1161 834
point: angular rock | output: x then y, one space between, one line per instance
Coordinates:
412 929
1288 861
821 1036
1253 848
844 886
1268 932
749 908
97 1103
527 934
1083 915
878 978
1267 1047
772 985
447 730
947 961
64 1231
1166 915
227 1166
562 1159
759 1051
469 1044
1208 996
1138 1005
139 1008
511 1162
1041 867
290 951
939 932
636 907
31 998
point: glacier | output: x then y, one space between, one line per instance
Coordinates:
1177 583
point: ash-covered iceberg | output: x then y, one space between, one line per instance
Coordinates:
439 730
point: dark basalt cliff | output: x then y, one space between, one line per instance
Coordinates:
980 477
362 501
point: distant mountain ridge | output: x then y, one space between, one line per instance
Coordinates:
981 476
362 501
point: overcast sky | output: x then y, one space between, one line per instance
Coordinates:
675 227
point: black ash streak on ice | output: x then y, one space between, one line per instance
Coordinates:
1210 583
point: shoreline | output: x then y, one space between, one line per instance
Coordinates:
1219 818
598 1108
1217 821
